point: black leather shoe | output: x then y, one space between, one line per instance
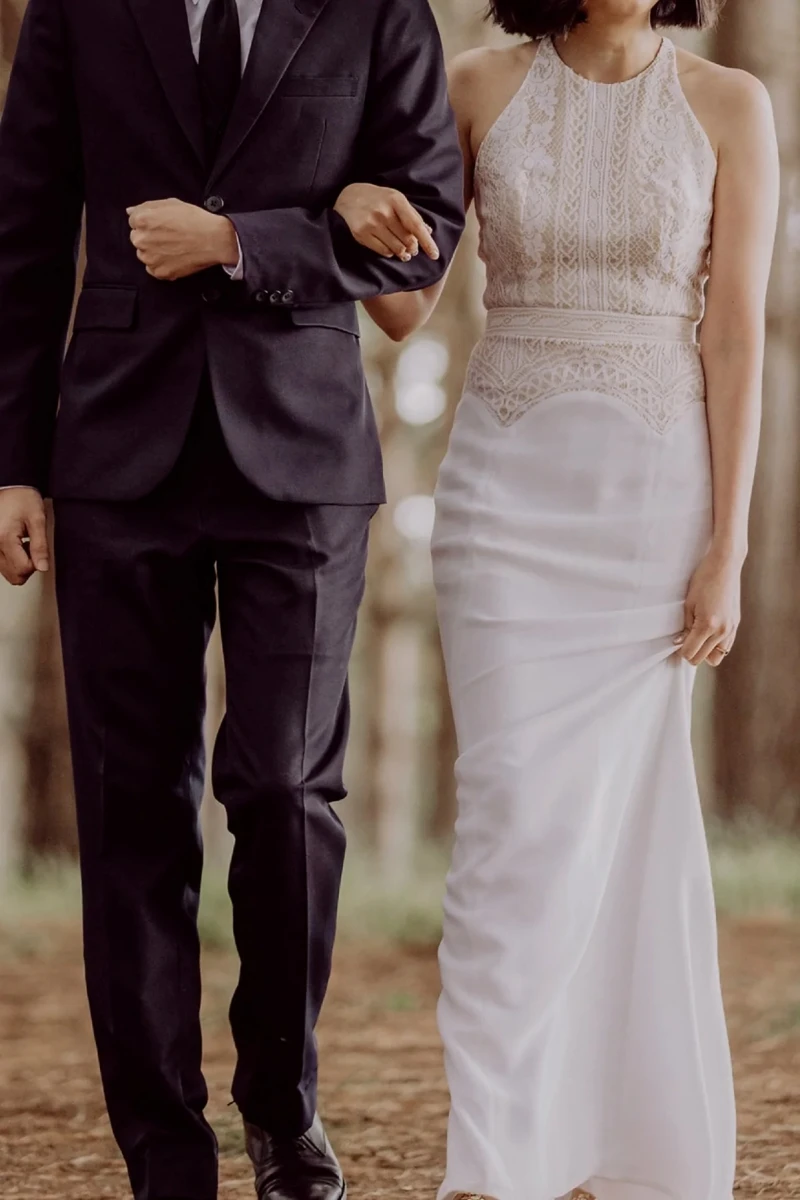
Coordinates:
303 1168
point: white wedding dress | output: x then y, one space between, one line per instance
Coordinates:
581 1011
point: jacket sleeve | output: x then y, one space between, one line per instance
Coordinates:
408 142
41 201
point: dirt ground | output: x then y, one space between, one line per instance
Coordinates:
383 1091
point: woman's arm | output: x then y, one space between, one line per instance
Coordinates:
407 144
732 348
480 83
390 233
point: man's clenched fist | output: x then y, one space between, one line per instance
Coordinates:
23 535
174 239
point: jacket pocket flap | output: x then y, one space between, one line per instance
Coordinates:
318 85
107 307
336 316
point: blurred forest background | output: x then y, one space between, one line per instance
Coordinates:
383 1090
400 765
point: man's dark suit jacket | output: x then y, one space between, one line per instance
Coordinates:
103 110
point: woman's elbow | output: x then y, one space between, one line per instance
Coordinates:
400 315
400 326
401 331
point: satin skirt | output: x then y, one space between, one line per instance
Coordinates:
581 1010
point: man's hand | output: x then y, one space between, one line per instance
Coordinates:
23 535
383 220
174 239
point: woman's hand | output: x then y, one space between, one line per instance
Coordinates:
383 220
712 611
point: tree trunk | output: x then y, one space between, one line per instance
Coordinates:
757 709
18 620
19 609
49 828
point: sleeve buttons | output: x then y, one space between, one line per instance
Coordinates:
262 297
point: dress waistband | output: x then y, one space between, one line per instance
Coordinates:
576 325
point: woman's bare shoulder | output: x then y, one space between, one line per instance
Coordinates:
723 98
476 74
487 61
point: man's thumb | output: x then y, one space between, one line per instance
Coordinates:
39 550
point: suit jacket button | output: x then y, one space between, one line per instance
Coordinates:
275 298
214 204
288 297
212 295
261 297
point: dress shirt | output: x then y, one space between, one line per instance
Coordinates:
249 11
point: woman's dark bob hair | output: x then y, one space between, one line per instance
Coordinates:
538 18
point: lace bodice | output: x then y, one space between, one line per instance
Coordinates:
595 199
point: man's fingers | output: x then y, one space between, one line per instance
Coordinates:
136 211
16 564
165 274
415 225
38 549
23 534
139 214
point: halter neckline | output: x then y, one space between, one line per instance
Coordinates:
651 67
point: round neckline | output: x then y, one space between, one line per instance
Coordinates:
620 83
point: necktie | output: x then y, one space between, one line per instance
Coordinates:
220 67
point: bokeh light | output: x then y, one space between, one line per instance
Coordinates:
414 516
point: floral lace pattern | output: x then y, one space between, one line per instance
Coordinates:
658 380
595 198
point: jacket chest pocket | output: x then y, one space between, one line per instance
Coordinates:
289 156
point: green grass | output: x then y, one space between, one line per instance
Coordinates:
369 907
756 872
230 1134
34 909
786 1021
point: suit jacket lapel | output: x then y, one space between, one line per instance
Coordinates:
281 30
165 30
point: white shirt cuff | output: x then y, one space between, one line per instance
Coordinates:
236 273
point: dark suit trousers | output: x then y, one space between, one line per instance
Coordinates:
136 585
